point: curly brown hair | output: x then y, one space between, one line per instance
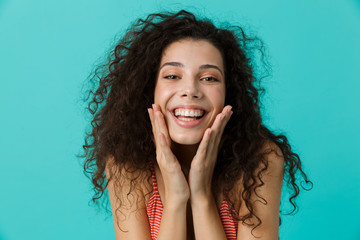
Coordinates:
124 88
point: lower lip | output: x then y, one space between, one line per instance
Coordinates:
188 124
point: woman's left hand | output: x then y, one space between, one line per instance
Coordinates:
203 164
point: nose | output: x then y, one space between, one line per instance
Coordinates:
190 89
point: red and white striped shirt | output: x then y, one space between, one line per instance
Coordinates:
154 211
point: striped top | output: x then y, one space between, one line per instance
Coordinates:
154 211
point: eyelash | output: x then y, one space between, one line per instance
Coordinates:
173 77
213 79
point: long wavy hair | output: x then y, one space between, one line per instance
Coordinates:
123 89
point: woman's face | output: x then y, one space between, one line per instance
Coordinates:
190 88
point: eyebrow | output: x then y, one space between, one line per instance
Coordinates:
180 65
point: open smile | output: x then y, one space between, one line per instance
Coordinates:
188 116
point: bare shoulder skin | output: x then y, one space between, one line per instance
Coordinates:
271 192
130 220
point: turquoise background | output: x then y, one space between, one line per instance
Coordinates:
48 48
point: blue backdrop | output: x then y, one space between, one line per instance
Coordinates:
48 48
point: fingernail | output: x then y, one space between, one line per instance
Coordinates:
229 109
153 106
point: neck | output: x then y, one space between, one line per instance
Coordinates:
185 155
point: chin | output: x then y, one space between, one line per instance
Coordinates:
186 139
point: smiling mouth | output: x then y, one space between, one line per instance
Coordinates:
188 114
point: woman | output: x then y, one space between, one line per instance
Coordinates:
178 138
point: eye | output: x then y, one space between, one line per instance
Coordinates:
210 79
171 77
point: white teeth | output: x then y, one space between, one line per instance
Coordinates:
186 119
189 112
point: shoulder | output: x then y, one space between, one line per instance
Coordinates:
125 170
270 171
126 190
272 162
265 196
273 157
125 179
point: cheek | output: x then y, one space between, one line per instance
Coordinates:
162 94
158 93
218 98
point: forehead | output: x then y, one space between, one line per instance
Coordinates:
192 52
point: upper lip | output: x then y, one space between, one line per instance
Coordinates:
189 106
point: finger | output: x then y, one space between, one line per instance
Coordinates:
168 159
156 127
156 108
203 146
151 116
219 125
227 114
221 120
152 120
161 124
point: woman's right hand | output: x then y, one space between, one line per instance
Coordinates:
177 190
